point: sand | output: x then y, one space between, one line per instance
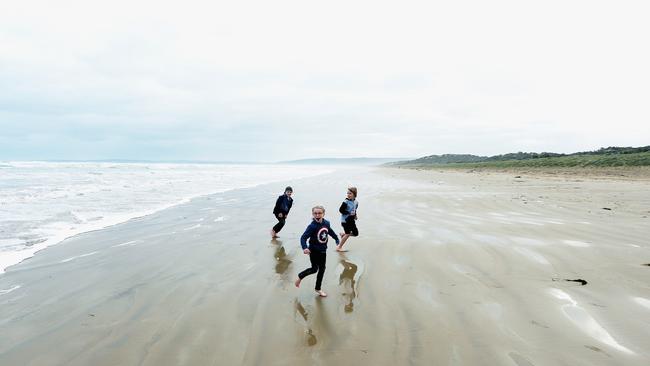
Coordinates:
451 268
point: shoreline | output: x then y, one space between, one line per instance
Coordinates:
58 239
12 258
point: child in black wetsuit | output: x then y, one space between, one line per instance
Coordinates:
318 233
281 210
348 212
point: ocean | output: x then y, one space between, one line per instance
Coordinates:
43 203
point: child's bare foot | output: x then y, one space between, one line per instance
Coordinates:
297 283
273 234
321 293
340 249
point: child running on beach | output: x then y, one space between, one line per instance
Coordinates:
348 212
317 232
281 210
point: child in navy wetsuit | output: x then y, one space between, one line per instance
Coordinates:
281 210
318 233
348 212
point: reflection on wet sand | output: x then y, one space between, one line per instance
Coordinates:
311 338
282 262
347 277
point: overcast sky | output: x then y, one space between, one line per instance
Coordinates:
281 80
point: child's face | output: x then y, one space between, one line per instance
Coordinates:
288 193
317 214
350 195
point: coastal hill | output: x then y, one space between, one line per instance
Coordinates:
603 157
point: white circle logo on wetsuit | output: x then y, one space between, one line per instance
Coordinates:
322 235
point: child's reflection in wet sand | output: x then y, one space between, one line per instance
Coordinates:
281 261
311 338
347 276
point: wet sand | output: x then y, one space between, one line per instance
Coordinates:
451 268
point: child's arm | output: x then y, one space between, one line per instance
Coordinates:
344 208
303 239
276 209
333 234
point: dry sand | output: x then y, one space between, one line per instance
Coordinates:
451 268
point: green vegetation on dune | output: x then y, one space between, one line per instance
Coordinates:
605 157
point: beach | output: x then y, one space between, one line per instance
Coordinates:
450 268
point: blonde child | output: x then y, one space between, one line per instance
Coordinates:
317 233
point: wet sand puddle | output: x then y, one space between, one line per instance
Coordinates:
585 322
643 302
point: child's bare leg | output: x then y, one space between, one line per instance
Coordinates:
321 293
344 238
297 283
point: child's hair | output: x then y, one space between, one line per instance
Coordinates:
288 189
353 190
318 207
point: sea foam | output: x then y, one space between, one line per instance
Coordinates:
43 203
